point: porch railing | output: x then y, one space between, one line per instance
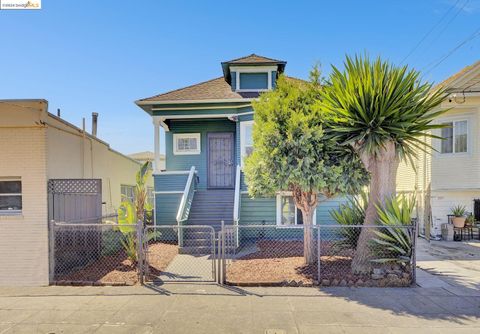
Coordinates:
236 203
187 197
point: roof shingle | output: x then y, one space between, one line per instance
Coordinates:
215 89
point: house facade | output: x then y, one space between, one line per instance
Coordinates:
208 134
453 168
38 147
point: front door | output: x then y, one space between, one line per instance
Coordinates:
220 160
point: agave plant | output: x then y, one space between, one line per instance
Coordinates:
392 242
350 213
459 211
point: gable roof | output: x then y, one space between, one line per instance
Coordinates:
215 89
254 59
467 80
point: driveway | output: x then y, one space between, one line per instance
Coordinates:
451 265
207 308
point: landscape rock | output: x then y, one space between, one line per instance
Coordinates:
392 276
335 282
378 271
377 276
343 282
325 282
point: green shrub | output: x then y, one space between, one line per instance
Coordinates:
350 213
393 244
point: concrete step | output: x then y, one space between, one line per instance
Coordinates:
196 250
197 242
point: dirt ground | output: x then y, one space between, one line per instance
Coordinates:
281 262
118 269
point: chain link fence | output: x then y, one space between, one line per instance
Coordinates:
93 251
179 253
101 252
328 255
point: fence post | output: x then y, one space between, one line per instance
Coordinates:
140 255
51 251
414 252
318 255
224 265
218 256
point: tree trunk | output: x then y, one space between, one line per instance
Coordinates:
383 173
307 202
308 241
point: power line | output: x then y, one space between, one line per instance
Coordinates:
432 29
435 64
460 9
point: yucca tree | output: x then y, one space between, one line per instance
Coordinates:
383 112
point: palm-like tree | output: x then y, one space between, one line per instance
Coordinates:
383 112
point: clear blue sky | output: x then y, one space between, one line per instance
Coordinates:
85 56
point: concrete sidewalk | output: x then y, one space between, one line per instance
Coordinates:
204 308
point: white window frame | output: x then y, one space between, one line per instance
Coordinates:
177 136
12 212
123 197
253 69
279 211
243 126
453 121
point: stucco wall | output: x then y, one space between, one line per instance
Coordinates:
70 154
24 238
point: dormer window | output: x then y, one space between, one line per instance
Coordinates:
253 78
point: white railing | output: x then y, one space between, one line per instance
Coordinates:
236 202
185 195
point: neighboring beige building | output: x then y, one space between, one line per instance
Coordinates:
455 163
37 146
148 156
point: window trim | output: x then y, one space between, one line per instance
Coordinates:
453 121
253 69
278 210
243 126
124 198
177 136
12 212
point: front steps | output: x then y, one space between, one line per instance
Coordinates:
209 208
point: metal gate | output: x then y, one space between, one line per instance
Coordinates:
185 253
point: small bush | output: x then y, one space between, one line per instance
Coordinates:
350 213
392 242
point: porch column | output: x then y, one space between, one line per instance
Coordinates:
156 144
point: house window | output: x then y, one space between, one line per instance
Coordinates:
127 192
287 213
455 137
10 196
150 197
253 81
186 143
246 139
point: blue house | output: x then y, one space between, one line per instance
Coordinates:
208 134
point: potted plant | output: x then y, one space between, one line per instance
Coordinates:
459 213
470 220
